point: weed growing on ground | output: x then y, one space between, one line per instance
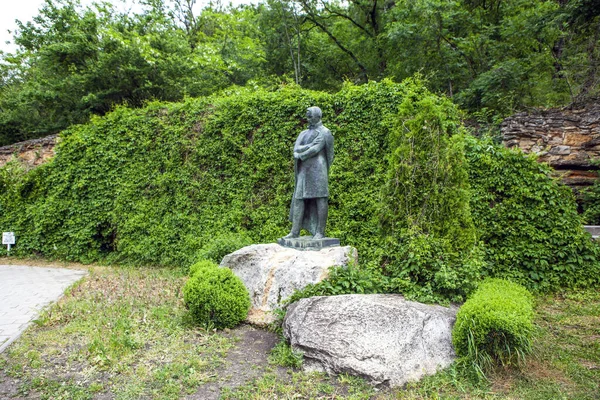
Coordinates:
124 334
121 331
283 354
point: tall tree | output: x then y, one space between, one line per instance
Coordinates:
73 62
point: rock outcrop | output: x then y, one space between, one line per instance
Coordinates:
272 273
568 140
31 152
381 337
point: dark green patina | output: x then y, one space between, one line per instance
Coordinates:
313 156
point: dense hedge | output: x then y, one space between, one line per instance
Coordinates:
528 221
495 325
154 186
172 183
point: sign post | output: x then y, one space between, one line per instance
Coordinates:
8 238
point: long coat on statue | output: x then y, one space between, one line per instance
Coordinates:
311 171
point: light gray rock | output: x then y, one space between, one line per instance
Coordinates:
271 273
561 150
383 338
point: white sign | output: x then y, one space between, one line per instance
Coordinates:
8 238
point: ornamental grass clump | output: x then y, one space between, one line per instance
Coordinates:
215 296
494 327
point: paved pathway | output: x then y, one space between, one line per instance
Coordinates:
24 292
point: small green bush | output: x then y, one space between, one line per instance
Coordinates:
219 246
495 325
201 266
216 297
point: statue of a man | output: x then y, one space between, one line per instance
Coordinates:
313 155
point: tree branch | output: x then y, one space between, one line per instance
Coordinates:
347 17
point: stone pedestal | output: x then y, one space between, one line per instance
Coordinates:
308 243
271 273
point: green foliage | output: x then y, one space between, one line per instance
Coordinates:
75 62
283 354
158 185
216 297
218 247
528 221
495 326
430 269
427 181
491 57
591 204
174 183
430 238
201 266
350 280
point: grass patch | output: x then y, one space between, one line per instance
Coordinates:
125 334
564 364
301 385
283 355
120 331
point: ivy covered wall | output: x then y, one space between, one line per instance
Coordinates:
153 186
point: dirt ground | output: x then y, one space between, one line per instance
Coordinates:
246 361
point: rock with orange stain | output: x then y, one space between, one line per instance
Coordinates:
272 273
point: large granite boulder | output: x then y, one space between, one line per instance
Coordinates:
271 273
381 337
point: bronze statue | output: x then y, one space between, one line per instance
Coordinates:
313 155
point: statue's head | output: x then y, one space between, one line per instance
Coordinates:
313 114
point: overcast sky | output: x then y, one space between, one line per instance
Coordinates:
25 10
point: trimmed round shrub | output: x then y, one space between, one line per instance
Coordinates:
201 266
215 296
495 325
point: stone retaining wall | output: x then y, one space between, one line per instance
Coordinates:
568 140
31 152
